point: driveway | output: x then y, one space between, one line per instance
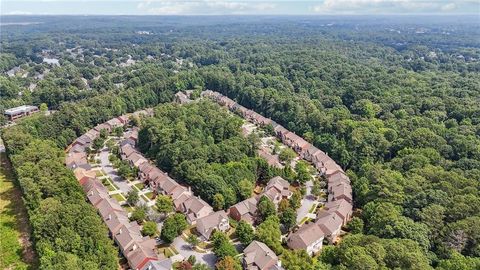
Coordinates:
121 183
185 250
307 202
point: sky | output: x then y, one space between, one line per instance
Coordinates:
239 7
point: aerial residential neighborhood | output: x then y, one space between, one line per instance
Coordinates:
239 134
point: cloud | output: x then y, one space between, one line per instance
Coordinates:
193 7
388 6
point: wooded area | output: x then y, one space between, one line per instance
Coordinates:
402 119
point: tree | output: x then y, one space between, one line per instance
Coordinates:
149 228
193 241
164 204
355 225
43 107
139 214
132 197
303 172
283 205
287 155
218 201
245 233
288 218
192 259
228 263
295 200
245 188
222 246
297 260
173 226
266 207
201 266
269 233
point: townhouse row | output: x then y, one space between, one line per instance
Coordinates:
338 209
139 251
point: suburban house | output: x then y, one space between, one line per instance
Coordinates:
342 208
272 160
308 237
126 150
82 175
340 191
245 210
115 221
124 119
136 159
20 111
163 264
296 142
259 256
75 160
217 221
181 98
103 126
96 192
195 208
277 189
330 223
338 177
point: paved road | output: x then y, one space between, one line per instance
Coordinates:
121 183
307 202
184 249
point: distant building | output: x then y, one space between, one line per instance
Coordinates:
20 111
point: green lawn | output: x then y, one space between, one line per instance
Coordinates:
118 197
13 224
140 186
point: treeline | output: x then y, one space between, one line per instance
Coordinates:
68 233
201 145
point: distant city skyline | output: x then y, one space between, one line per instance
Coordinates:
240 7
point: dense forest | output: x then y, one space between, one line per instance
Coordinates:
201 145
396 103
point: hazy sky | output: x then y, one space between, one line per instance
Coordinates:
248 7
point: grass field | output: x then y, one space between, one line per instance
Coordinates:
16 251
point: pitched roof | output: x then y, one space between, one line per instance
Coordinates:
195 205
247 206
207 224
139 253
342 207
107 206
305 236
337 178
341 190
127 150
259 255
329 222
116 220
95 191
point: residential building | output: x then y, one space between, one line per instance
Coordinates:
245 210
258 256
195 208
217 221
277 189
308 237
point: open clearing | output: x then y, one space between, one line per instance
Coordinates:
16 251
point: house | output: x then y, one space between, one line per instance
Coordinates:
82 174
195 208
272 160
144 171
217 221
311 152
126 150
95 191
76 148
330 223
259 256
141 253
245 210
277 189
342 208
338 177
136 159
20 111
113 123
124 119
103 126
115 221
181 98
108 206
308 237
340 191
162 264
75 160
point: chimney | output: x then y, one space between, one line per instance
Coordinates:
120 231
134 247
109 216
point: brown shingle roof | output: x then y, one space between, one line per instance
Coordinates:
259 255
305 236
